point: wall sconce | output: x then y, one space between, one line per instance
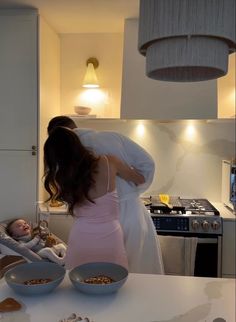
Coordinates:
90 78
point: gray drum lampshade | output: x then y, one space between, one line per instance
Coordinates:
186 40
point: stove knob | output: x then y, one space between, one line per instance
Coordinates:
195 224
215 225
205 225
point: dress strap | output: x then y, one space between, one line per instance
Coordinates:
108 173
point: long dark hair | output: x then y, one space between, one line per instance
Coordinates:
68 168
60 120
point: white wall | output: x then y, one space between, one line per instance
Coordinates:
49 74
187 154
75 50
226 91
143 97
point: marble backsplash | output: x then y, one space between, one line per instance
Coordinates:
188 154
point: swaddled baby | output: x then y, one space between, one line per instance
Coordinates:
22 231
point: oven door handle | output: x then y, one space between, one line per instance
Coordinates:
207 240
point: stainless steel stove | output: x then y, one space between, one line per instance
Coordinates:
189 216
192 218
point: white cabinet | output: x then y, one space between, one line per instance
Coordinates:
60 222
144 98
60 225
18 112
229 248
18 183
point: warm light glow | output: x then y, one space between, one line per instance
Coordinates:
140 130
190 132
232 98
91 97
97 99
90 78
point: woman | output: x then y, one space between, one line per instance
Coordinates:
141 240
87 183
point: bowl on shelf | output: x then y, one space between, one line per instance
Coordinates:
35 278
82 110
98 278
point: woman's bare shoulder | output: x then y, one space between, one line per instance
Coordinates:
112 158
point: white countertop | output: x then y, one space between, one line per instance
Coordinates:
45 208
225 212
144 298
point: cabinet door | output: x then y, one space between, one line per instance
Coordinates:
18 79
18 113
229 249
145 98
18 184
60 225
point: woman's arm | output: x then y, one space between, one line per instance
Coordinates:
125 171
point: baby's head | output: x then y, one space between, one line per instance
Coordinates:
18 228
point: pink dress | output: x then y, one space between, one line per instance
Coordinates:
96 235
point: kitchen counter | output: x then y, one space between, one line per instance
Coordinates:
60 222
44 208
144 298
226 213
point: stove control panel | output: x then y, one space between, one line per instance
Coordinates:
187 224
168 223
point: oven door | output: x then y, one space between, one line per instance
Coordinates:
208 257
191 256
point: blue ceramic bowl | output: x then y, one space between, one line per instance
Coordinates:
19 274
78 274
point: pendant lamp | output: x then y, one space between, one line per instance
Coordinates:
186 40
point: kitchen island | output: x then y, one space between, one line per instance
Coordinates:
144 298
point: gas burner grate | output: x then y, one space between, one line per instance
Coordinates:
199 206
185 206
158 206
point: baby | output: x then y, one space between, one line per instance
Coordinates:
22 231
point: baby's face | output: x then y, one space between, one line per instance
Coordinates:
20 228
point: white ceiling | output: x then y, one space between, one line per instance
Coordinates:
81 16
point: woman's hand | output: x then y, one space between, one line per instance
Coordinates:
126 172
138 178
